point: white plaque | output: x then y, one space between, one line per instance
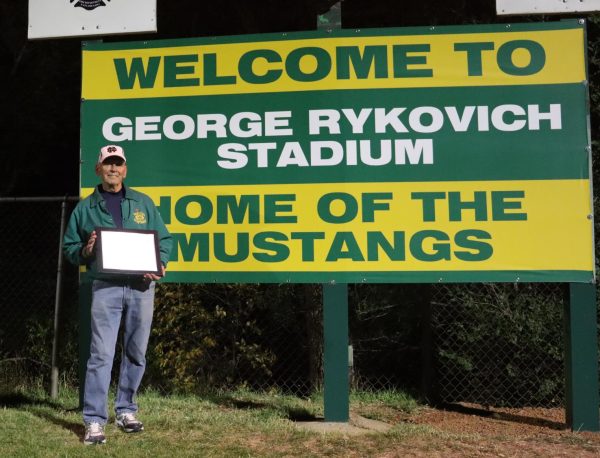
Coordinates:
130 252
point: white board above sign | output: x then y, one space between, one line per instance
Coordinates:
72 18
507 7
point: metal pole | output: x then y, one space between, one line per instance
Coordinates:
57 301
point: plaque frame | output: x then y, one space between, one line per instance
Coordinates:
127 251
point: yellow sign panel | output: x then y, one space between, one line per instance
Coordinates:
406 61
458 226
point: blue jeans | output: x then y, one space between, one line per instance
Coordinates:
110 302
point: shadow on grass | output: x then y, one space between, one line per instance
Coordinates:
292 413
51 411
504 416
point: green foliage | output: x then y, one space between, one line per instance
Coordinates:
386 332
33 361
207 335
499 344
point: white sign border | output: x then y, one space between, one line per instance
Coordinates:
61 18
511 7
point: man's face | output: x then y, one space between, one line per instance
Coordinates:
112 172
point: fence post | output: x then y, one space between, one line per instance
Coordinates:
581 358
85 332
57 303
427 359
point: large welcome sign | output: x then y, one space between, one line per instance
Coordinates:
391 155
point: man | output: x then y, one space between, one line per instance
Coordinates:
113 205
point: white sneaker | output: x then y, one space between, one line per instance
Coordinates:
94 434
128 423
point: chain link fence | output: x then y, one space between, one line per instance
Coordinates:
29 246
499 344
491 344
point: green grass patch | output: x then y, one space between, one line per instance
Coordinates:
242 423
237 423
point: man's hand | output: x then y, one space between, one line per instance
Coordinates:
155 277
88 249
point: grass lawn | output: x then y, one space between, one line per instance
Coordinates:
230 424
246 424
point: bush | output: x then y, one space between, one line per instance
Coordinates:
207 335
499 344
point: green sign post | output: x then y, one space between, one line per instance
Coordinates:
336 384
581 358
335 353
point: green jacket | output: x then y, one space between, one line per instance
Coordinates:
139 212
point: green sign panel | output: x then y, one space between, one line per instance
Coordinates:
385 155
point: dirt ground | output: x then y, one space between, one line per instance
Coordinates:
472 430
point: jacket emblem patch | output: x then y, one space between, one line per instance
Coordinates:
139 217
